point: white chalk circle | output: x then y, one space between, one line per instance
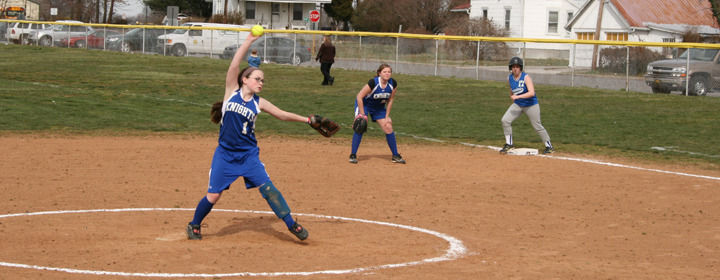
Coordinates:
455 251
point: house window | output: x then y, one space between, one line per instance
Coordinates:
276 8
553 22
298 11
250 10
586 35
570 16
617 36
507 18
485 12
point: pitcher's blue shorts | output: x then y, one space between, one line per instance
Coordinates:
374 113
227 166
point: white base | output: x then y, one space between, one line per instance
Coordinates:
523 152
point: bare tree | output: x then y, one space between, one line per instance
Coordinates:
416 16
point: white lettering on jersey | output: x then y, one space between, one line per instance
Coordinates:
520 88
240 109
381 95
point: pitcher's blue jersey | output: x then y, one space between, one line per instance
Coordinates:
518 87
237 127
378 96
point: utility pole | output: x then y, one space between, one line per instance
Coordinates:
597 33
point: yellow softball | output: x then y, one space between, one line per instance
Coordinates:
257 30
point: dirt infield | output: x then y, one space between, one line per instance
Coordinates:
514 217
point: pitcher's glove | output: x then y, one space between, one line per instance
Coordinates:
325 126
360 124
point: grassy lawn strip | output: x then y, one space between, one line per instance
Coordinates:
56 89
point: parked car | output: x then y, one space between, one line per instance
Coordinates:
278 50
52 34
18 32
671 75
133 40
180 42
92 39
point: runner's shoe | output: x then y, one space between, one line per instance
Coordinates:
506 148
548 150
193 232
398 159
299 231
353 158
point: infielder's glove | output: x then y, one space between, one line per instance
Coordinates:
325 126
360 124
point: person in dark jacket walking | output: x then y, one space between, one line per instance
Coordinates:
326 55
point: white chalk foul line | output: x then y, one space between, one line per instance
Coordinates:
455 251
498 148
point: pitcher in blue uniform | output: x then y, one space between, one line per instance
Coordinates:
375 99
237 153
522 92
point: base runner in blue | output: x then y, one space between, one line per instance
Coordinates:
237 154
375 99
522 92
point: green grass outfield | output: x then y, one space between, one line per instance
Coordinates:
74 91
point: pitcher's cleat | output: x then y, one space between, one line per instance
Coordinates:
548 150
299 231
506 148
353 158
193 232
398 159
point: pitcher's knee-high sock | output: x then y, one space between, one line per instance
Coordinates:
392 143
202 210
356 142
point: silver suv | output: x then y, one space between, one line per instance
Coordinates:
54 33
18 32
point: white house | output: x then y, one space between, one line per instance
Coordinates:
530 19
283 14
639 21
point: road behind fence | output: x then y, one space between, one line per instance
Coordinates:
621 65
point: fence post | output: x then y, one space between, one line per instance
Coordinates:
687 70
211 42
477 62
87 46
359 51
294 48
572 66
397 48
436 56
143 41
627 69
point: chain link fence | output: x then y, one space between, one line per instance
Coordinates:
631 66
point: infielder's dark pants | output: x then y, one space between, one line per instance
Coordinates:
325 69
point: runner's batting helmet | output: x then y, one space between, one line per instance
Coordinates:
515 61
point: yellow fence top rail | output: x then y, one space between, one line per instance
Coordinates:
400 35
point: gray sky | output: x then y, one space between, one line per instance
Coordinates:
133 8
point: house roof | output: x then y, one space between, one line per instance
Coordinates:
638 13
461 8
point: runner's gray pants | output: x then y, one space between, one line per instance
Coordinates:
533 113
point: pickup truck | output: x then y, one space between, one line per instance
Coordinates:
669 75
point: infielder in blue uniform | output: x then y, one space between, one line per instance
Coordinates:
376 100
522 92
237 154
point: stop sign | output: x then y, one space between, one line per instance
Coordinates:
314 16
